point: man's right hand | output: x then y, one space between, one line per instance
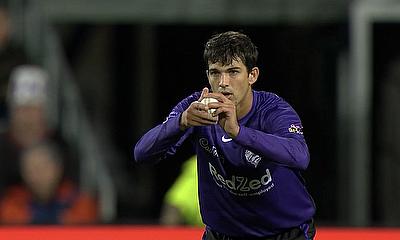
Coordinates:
197 114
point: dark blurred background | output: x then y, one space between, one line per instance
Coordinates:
122 66
296 61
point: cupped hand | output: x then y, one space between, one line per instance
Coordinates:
226 112
197 114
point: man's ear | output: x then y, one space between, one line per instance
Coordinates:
253 75
207 74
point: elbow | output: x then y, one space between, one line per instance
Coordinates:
302 156
303 160
140 154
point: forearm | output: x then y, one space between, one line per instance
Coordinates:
157 143
286 151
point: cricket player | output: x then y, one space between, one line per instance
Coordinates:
249 145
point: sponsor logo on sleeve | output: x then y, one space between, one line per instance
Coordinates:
296 129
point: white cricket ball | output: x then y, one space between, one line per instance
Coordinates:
208 100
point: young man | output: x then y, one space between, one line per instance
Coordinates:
45 195
250 150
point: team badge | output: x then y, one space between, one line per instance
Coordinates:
252 157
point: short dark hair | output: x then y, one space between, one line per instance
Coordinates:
228 46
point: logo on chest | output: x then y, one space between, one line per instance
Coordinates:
252 158
243 185
208 148
225 139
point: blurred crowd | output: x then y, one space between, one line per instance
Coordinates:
38 183
39 173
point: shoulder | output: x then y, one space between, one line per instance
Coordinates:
14 207
272 105
184 104
268 100
16 192
192 97
15 197
82 206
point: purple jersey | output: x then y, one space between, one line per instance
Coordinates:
249 186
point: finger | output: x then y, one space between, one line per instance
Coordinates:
204 116
198 120
204 92
198 107
200 111
223 108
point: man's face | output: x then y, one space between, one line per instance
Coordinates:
233 80
41 173
28 124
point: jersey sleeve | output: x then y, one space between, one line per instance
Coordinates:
284 141
164 139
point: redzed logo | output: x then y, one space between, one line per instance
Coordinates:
241 185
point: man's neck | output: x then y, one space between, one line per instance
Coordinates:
243 108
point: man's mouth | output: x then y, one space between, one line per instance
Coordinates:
225 93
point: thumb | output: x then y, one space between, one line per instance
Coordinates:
204 92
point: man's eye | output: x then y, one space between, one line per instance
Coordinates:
214 74
233 72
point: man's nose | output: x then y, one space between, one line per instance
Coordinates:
224 81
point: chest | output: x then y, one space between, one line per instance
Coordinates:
214 145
